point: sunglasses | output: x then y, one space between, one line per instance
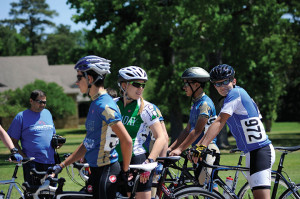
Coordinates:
138 84
185 84
79 77
41 102
225 82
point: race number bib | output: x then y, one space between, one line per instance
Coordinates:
209 122
254 130
111 140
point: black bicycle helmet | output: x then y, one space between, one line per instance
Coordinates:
221 72
195 74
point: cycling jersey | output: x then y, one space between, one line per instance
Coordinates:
244 123
100 140
137 125
150 136
205 107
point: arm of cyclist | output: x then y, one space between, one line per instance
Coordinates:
192 136
125 143
163 153
16 144
180 138
212 132
6 139
76 155
159 144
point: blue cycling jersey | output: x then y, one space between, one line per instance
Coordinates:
205 107
244 123
100 140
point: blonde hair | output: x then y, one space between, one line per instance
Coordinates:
142 106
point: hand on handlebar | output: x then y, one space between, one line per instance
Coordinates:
196 152
56 170
15 157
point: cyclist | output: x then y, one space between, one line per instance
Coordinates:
9 144
139 118
202 115
242 116
104 129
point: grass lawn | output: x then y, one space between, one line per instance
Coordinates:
282 134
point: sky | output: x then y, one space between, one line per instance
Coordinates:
60 6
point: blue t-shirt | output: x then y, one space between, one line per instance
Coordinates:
100 140
35 130
205 107
244 123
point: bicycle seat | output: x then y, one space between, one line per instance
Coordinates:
145 167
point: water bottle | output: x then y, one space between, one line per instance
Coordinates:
155 179
229 183
2 195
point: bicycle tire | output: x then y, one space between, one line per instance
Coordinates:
289 195
195 192
246 193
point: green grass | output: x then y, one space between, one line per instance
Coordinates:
282 134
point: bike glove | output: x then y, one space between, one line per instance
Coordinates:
16 157
57 169
198 150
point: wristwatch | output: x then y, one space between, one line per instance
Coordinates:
14 150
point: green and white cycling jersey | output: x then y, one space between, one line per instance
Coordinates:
137 125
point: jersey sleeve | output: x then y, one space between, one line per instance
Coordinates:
204 110
111 115
150 114
231 102
15 128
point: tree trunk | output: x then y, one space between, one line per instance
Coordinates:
175 121
268 125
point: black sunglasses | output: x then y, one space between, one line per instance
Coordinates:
41 101
138 84
79 77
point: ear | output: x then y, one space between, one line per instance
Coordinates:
234 81
124 85
90 79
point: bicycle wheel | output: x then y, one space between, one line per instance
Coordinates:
195 192
289 194
246 193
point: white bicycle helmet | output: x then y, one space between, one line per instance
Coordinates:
91 62
131 73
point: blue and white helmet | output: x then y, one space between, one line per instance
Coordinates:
131 73
91 62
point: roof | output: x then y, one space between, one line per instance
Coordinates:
17 71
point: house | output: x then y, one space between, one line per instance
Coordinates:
17 71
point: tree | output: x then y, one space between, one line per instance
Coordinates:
58 103
32 16
12 43
167 36
61 45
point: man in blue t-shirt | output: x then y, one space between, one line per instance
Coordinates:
34 127
242 116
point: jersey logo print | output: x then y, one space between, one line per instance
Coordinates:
108 113
112 178
130 121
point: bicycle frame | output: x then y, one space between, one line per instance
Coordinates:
12 183
278 173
